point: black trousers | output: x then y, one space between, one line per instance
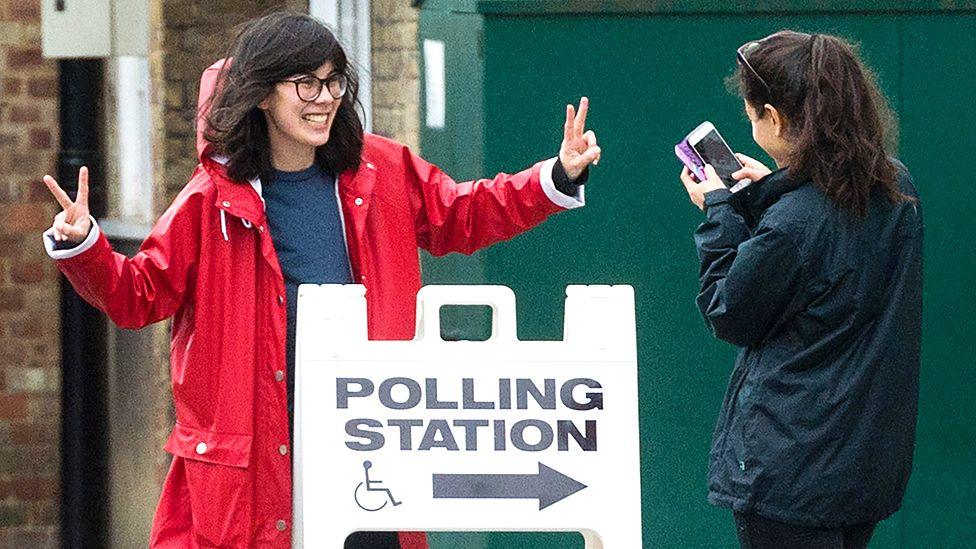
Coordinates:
756 532
373 540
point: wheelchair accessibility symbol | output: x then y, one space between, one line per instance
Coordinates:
368 499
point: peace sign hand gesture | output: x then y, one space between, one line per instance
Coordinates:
578 149
72 224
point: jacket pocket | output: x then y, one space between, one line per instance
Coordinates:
219 484
742 428
229 449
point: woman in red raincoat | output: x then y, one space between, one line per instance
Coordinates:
289 190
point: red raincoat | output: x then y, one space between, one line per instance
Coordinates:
210 264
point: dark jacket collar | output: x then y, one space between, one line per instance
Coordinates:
755 199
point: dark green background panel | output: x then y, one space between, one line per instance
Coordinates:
651 78
938 120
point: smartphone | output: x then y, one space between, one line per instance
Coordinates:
712 149
690 159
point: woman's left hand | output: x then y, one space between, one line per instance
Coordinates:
696 190
579 148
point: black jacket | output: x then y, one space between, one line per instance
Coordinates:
818 423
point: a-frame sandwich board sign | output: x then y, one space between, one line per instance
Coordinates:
495 435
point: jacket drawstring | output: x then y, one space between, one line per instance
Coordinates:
223 225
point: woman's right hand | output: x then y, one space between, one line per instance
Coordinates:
753 169
73 223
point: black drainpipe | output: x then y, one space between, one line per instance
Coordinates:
84 417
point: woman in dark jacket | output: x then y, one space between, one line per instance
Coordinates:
815 272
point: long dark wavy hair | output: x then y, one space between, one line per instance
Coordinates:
265 51
837 120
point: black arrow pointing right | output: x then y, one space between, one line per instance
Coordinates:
548 486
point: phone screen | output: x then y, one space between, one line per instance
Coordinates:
714 151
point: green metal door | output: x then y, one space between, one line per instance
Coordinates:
652 74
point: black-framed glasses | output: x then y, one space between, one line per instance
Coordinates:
309 87
741 54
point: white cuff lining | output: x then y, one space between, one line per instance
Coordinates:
558 198
89 241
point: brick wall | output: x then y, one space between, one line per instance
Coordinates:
29 316
396 80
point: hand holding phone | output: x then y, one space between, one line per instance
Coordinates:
697 190
690 159
753 169
704 145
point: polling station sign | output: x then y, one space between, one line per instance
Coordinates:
496 435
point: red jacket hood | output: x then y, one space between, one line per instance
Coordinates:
208 82
236 199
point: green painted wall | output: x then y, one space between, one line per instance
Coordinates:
652 74
938 117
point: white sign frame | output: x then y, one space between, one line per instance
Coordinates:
582 390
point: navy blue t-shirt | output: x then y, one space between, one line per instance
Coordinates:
306 230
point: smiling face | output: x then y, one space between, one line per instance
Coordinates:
297 127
